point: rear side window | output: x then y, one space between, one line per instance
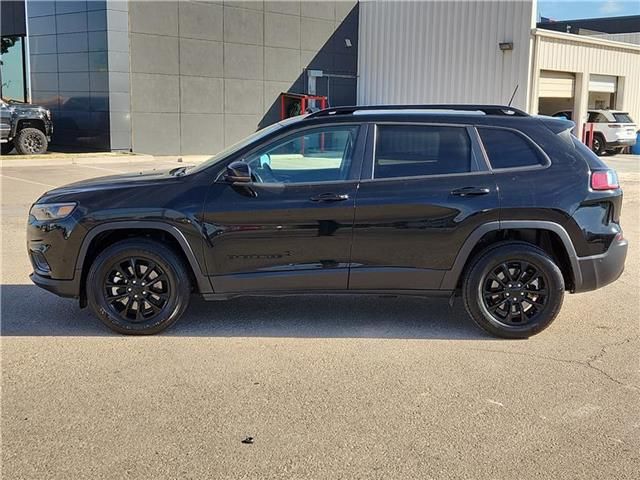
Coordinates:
507 149
622 118
418 150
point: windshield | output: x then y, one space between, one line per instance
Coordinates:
246 141
622 118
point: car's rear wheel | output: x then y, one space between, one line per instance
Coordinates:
6 148
599 145
513 290
138 287
31 141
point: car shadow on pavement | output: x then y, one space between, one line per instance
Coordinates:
30 311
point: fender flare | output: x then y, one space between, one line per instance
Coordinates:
451 277
204 285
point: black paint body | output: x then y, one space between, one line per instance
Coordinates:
407 235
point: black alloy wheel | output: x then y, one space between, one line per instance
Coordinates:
513 289
515 292
138 286
137 289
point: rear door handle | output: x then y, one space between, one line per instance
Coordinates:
470 191
330 197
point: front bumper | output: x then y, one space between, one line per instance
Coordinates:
62 288
600 270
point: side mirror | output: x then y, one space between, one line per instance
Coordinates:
238 172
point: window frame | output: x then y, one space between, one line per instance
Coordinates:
354 169
526 138
479 164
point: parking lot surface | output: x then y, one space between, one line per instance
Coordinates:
328 387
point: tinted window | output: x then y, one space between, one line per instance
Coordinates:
595 117
415 150
507 149
622 118
566 115
318 155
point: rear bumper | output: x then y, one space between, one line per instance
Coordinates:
622 143
62 288
600 270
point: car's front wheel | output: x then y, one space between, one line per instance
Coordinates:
513 290
138 287
31 141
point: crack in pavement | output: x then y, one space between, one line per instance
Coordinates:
588 363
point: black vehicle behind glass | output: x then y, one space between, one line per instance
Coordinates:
508 210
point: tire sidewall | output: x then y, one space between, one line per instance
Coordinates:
513 252
30 131
166 260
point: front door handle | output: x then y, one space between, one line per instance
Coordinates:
470 191
330 197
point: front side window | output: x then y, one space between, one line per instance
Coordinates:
312 156
507 149
419 150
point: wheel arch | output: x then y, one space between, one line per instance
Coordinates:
37 123
106 234
492 232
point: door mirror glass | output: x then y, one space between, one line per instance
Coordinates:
238 172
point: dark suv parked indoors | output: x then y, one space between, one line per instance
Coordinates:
507 209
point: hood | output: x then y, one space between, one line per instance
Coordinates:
25 107
114 181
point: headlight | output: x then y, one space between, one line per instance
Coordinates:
52 211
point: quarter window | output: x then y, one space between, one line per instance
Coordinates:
418 150
507 149
311 156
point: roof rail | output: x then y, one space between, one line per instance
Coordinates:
486 109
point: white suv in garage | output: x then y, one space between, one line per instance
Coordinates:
612 130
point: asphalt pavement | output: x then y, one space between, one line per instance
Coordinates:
328 387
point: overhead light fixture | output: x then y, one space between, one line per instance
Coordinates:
506 46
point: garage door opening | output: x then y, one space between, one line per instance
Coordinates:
556 92
602 92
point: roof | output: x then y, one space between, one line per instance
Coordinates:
625 24
439 109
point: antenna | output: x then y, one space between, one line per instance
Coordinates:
513 94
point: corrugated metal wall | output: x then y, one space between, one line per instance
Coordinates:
444 52
575 53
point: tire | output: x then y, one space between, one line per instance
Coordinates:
6 148
31 141
533 300
164 300
599 145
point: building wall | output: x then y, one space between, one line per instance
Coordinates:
204 75
444 52
585 56
69 68
12 20
621 37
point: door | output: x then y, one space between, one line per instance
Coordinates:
291 228
427 188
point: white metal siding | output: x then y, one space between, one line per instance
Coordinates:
621 37
576 53
444 51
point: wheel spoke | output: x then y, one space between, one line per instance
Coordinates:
498 305
149 269
507 273
117 297
493 276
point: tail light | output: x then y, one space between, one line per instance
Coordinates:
604 180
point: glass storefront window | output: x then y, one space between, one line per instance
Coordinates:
12 72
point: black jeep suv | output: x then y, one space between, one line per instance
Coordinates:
506 208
